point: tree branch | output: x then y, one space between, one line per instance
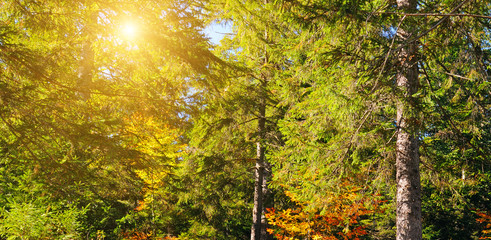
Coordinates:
439 14
439 22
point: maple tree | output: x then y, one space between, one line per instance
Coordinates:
341 218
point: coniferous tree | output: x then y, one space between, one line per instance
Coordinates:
246 102
72 85
358 80
341 108
408 197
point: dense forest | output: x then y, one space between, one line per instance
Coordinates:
310 119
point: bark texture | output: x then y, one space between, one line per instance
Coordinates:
258 230
408 220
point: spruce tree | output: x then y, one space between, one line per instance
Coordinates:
358 79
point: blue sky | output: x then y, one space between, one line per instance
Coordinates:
216 31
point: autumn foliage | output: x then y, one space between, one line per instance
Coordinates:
138 235
342 217
485 219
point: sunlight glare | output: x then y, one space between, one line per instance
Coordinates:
130 30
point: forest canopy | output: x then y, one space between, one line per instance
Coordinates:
319 119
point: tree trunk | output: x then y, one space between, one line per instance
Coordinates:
267 200
85 71
263 169
408 220
260 184
86 67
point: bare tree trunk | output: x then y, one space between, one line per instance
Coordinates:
408 220
259 174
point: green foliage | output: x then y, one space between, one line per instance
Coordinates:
156 135
70 86
339 121
40 220
27 211
217 199
341 99
451 213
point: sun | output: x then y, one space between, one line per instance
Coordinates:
130 30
